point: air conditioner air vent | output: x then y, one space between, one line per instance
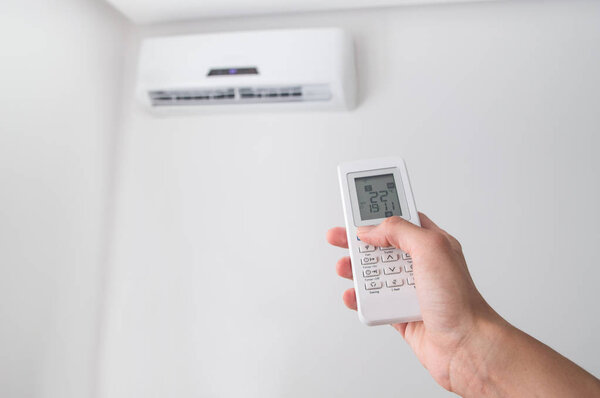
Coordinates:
240 95
190 97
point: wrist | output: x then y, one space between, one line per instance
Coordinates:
474 367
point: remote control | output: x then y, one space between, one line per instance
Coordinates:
373 190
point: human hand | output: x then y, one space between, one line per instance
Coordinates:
466 346
452 308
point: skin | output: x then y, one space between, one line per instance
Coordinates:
464 344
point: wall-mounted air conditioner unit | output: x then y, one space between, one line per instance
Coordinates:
262 70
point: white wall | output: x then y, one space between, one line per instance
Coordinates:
221 282
61 70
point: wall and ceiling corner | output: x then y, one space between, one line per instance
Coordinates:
159 11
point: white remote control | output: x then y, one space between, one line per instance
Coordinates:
373 190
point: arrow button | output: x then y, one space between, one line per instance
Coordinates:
389 257
392 270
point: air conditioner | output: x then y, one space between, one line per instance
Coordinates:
254 71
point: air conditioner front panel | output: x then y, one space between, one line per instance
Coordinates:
289 66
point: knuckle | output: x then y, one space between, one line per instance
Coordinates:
438 240
389 221
456 243
392 221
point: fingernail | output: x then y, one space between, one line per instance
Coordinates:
365 230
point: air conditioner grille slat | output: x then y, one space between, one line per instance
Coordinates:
239 95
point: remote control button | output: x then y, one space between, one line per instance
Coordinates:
390 270
387 248
395 282
389 257
368 260
406 256
366 248
408 267
373 285
371 272
410 280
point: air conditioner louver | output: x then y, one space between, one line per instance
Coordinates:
238 95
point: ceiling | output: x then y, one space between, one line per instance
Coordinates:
154 11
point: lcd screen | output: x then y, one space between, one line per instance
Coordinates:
377 197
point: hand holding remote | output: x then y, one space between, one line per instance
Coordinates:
465 345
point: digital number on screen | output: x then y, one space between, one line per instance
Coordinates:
377 197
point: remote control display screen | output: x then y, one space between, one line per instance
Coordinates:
377 197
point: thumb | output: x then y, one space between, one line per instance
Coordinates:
393 231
